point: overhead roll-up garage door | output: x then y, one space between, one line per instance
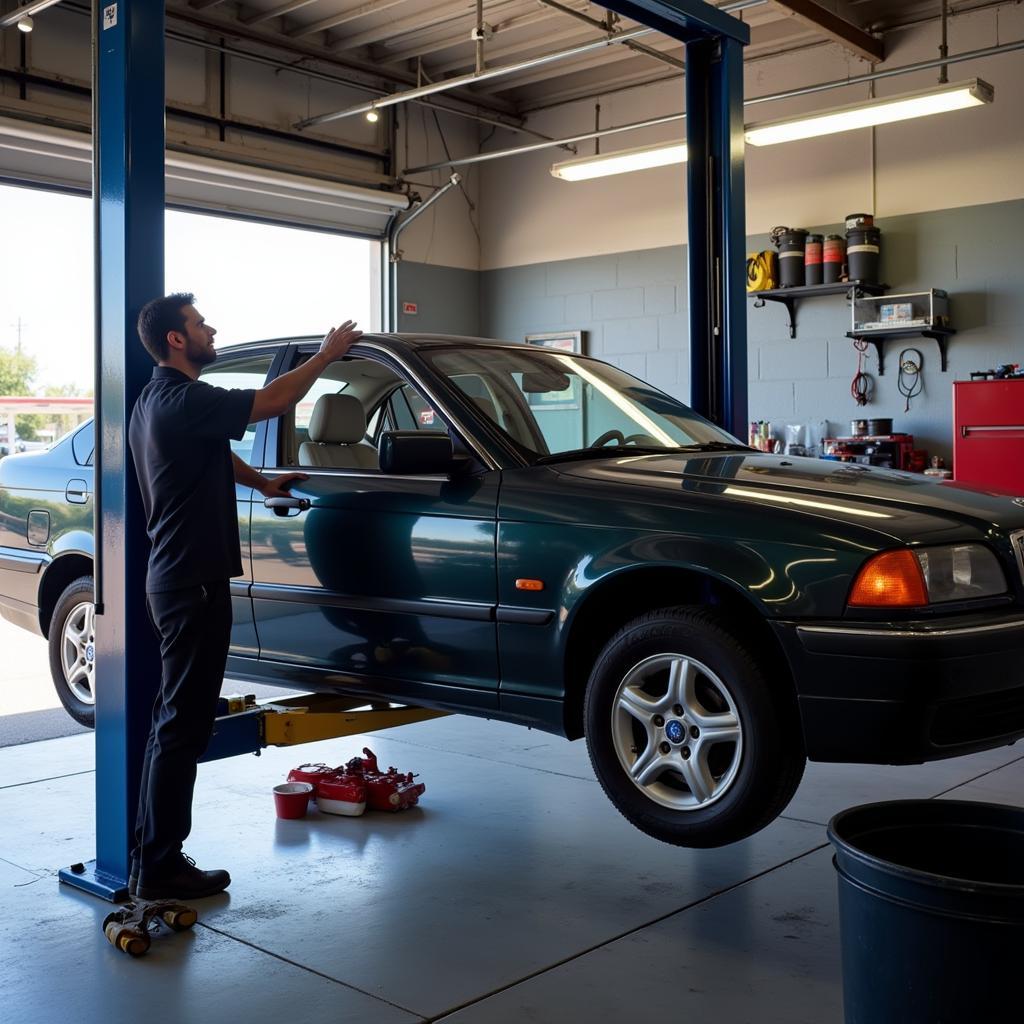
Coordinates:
40 154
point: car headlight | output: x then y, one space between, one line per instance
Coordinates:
911 578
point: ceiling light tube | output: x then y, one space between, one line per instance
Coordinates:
869 113
659 155
905 107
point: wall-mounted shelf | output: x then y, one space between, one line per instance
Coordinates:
878 338
790 296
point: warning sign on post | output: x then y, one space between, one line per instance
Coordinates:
109 16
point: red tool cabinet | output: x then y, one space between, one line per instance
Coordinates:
988 433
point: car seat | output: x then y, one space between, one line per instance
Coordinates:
337 432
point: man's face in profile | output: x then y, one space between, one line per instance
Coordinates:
198 338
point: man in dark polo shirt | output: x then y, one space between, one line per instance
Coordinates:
179 436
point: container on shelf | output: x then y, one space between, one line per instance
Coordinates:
812 259
791 243
833 256
863 252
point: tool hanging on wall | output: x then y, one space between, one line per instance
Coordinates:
862 384
910 382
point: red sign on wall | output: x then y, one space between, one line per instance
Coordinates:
410 308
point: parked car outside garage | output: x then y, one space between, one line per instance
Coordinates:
535 536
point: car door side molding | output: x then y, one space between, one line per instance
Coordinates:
18 560
336 599
442 609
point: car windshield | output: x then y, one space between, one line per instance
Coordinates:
556 405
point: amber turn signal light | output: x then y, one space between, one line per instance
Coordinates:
892 579
529 584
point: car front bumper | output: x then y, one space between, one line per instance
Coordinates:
910 692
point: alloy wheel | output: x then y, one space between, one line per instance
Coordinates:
78 651
677 732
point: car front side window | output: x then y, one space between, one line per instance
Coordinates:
338 423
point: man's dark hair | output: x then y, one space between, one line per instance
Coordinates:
159 317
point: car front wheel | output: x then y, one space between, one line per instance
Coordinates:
688 737
73 650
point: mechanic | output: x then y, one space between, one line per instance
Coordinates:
179 436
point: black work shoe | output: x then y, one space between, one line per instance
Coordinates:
182 882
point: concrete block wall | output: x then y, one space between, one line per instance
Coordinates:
633 306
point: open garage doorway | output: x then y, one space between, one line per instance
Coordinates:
252 280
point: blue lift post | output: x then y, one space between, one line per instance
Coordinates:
128 202
715 199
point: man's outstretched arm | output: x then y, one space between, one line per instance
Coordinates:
288 390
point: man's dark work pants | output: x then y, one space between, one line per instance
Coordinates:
194 626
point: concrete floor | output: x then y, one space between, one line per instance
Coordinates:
514 893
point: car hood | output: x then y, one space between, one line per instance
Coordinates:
888 501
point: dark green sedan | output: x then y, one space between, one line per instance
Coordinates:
531 535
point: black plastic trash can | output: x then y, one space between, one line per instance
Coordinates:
931 909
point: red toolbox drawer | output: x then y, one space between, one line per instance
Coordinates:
988 433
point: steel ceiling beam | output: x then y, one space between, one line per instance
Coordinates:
594 23
343 18
445 42
605 60
276 12
862 44
571 67
438 15
514 51
373 73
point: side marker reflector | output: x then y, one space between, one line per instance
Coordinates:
529 584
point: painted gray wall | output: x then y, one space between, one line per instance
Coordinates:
448 299
633 306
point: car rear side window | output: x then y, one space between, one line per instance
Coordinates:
82 445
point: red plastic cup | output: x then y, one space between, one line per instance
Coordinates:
292 798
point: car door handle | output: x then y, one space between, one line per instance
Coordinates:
283 506
77 492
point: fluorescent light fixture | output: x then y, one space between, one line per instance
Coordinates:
866 114
659 155
906 107
26 24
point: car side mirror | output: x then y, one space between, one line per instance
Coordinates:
415 453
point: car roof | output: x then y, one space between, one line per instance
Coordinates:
405 338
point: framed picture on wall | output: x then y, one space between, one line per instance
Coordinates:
572 343
564 341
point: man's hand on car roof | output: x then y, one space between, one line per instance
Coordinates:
339 340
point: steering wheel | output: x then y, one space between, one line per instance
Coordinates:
621 439
609 435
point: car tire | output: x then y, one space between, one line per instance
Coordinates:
689 738
72 642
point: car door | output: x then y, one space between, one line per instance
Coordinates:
384 583
243 370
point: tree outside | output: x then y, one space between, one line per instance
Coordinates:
17 373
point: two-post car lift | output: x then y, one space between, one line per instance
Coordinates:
128 197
